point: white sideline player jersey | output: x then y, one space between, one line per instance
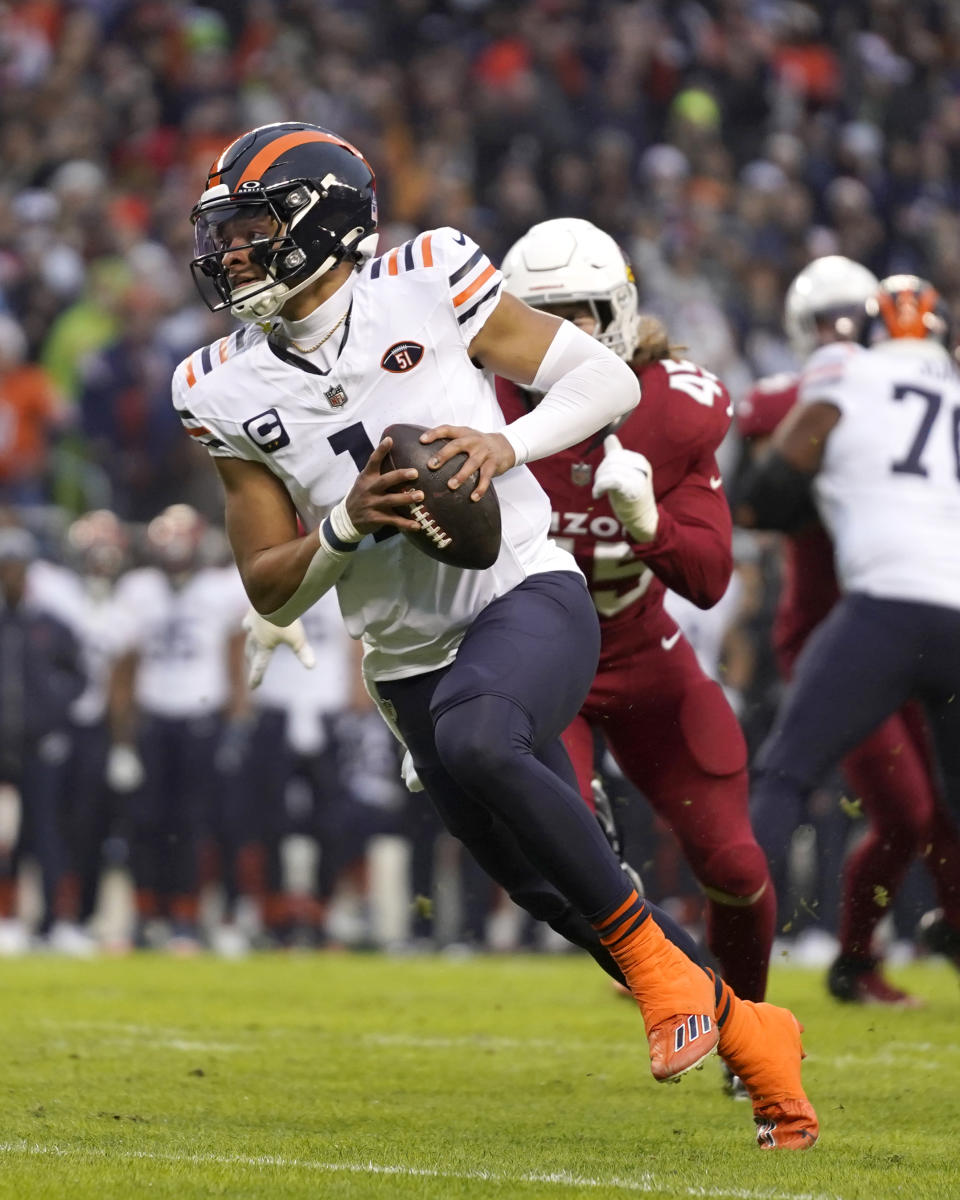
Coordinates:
307 696
402 356
181 635
889 486
96 621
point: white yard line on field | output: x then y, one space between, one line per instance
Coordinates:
924 1055
644 1184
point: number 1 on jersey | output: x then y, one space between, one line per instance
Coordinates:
354 441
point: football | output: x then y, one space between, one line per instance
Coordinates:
453 528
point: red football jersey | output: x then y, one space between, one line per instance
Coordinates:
809 587
767 403
680 421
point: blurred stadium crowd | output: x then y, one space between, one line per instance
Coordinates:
723 143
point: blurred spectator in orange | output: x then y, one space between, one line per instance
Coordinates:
31 416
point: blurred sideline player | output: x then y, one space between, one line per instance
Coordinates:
643 510
299 758
338 345
175 689
41 675
874 433
82 593
890 772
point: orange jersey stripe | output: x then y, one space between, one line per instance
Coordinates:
198 432
223 349
392 262
480 280
271 152
427 250
191 374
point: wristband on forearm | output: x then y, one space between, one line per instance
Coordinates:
339 532
337 538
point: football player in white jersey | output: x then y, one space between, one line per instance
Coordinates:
297 747
81 593
890 773
479 671
875 431
173 690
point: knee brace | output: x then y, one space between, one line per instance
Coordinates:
736 875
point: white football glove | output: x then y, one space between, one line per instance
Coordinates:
627 478
263 637
409 772
124 771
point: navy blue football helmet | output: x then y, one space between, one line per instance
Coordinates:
306 200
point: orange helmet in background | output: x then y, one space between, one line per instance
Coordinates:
906 306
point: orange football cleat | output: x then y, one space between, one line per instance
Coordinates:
676 997
761 1044
671 986
680 1043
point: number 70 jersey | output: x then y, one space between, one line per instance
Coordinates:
888 489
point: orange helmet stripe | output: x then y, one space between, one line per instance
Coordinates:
266 157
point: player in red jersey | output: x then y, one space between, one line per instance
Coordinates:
644 510
891 771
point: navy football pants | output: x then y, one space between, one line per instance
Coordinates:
865 660
484 734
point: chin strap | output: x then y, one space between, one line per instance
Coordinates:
268 302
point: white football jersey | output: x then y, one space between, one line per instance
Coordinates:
889 485
96 620
181 635
401 355
307 696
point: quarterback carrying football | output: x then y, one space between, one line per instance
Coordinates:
461 662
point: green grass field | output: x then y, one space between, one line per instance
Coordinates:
362 1076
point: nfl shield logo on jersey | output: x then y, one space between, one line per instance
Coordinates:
336 395
581 473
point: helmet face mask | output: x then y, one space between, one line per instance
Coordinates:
306 201
569 261
254 226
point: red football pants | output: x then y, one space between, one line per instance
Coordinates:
677 740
